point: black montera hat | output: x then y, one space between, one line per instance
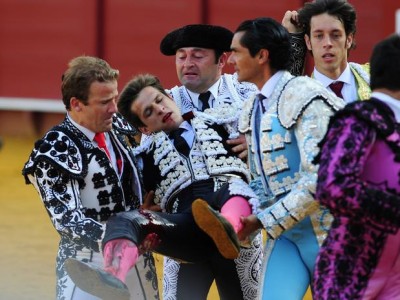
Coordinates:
197 35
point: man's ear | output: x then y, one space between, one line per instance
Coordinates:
75 104
222 60
308 43
263 55
144 130
349 41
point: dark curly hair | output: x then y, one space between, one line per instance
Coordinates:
340 9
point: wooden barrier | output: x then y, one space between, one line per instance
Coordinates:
29 117
32 104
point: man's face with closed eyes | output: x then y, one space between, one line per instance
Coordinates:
157 111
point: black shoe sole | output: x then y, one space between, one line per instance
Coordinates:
96 281
219 229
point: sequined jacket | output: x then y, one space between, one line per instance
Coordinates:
358 181
288 133
231 92
361 74
166 172
78 185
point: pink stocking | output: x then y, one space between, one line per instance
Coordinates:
120 256
235 208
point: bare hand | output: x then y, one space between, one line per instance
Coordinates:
291 22
148 202
250 224
239 146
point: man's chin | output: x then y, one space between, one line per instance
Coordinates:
189 84
241 78
108 128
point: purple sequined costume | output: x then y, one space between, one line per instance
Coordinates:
359 181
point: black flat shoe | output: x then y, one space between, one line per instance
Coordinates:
96 281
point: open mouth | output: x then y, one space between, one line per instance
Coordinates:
328 56
167 116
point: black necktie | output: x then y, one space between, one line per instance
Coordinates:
260 98
179 142
203 97
336 87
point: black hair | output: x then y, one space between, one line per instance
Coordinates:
385 64
266 33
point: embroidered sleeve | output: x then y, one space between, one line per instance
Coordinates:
60 196
299 202
340 186
151 173
298 54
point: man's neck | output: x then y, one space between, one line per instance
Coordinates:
331 74
392 93
177 125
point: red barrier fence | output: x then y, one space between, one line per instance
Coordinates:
38 38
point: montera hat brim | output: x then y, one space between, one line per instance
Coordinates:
197 35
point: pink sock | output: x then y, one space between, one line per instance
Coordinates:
235 208
120 256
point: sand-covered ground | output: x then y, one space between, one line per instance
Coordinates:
28 241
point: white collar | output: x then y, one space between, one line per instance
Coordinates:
185 125
393 103
213 89
269 86
345 77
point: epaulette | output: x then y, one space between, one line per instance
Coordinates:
59 149
298 93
